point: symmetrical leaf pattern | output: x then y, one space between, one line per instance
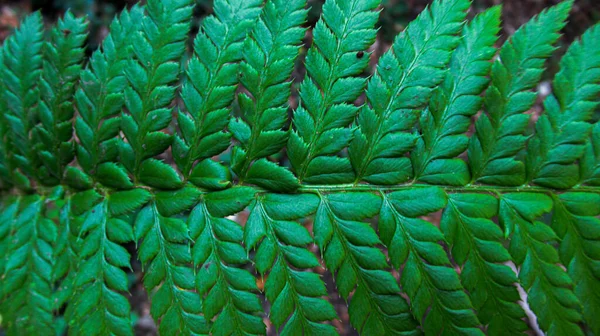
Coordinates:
549 288
350 250
281 251
209 90
63 57
500 133
427 277
575 221
476 243
562 133
269 56
243 210
452 105
406 76
157 48
228 290
334 63
21 72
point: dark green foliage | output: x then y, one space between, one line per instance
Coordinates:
406 76
269 56
351 251
452 105
476 243
63 57
500 133
98 305
157 48
549 288
228 290
164 249
22 68
234 241
427 277
27 273
99 100
563 132
211 81
575 221
334 63
281 251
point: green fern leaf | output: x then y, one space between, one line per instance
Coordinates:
333 64
99 100
563 132
549 288
209 90
152 75
269 56
65 254
350 250
448 116
575 221
8 215
22 69
405 79
27 283
63 58
281 251
476 244
6 180
590 162
427 277
164 249
499 133
99 307
226 287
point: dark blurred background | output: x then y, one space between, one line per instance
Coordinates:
394 17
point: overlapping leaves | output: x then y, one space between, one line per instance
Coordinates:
81 203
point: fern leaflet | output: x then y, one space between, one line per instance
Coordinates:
269 58
549 288
209 90
452 105
333 63
499 134
406 76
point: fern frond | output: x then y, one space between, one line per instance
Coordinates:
563 131
575 221
8 214
209 90
63 58
269 56
549 288
27 283
350 250
65 254
227 288
427 276
164 249
334 63
476 243
499 134
5 166
152 75
405 78
99 307
22 69
99 100
448 116
590 162
281 251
